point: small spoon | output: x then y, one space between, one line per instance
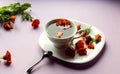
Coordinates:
46 54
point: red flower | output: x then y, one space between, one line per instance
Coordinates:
78 27
7 57
98 38
82 51
80 44
88 39
91 45
70 52
35 23
7 26
63 22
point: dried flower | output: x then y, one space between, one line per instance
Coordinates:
7 57
91 45
7 26
82 51
59 34
70 52
98 38
80 44
63 23
35 23
13 19
78 27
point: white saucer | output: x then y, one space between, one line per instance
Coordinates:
47 45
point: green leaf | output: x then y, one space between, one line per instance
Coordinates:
25 6
26 16
87 30
13 9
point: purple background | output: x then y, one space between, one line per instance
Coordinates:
22 41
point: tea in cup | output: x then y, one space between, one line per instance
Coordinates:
60 32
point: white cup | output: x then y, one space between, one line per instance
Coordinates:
60 42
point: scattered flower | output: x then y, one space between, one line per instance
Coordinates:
7 57
7 26
13 19
35 23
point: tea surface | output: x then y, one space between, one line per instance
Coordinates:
52 30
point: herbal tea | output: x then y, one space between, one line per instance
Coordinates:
61 28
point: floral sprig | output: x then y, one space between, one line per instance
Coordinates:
8 15
7 58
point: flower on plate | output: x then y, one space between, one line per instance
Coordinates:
70 52
78 27
91 45
82 51
98 38
80 44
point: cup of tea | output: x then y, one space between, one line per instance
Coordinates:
60 32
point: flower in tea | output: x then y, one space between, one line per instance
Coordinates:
63 23
59 34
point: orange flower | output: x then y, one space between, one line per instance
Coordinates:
13 19
78 27
98 38
82 51
7 57
80 44
35 23
91 45
63 22
88 39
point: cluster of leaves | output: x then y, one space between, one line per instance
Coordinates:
13 9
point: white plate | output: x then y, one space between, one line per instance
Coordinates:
46 45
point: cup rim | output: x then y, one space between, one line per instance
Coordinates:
53 21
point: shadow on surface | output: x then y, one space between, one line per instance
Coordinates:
80 66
